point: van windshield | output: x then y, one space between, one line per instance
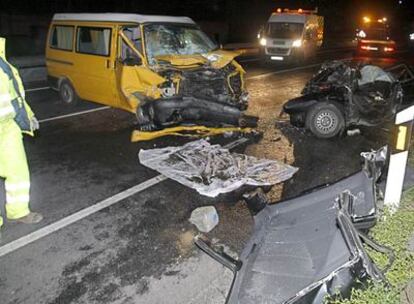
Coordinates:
284 30
175 39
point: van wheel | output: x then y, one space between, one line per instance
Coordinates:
325 120
67 93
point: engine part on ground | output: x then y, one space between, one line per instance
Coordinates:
212 169
340 96
190 131
310 247
256 200
204 218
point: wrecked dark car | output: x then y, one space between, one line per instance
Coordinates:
340 96
309 247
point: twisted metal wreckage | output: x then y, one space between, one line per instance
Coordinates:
340 96
311 246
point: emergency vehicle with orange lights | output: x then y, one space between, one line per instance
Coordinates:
291 34
374 37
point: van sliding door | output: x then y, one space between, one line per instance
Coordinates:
95 63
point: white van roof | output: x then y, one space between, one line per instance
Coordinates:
119 17
286 17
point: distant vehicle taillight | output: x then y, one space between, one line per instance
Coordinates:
366 47
389 49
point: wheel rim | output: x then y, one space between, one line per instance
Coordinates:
67 94
326 122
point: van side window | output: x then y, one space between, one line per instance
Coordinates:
93 40
62 37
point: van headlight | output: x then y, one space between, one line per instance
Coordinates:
297 43
263 41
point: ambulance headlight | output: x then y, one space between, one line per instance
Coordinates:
361 34
263 41
297 43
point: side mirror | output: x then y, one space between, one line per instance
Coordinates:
132 61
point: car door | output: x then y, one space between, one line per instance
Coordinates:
95 63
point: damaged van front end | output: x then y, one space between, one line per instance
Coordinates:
180 77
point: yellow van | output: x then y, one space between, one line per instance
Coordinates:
163 69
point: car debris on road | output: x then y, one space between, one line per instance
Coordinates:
311 246
212 169
204 218
340 96
189 131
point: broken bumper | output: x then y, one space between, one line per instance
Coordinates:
173 111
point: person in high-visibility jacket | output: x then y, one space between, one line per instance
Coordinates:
16 118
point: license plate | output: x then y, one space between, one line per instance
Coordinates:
280 58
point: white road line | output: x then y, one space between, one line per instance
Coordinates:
74 114
81 214
37 89
42 232
284 71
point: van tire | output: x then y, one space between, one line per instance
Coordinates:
325 120
67 93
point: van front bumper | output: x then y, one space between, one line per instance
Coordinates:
161 113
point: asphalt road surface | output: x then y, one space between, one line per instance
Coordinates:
117 232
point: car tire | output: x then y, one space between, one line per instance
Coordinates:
67 93
325 120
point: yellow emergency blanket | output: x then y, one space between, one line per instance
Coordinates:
185 131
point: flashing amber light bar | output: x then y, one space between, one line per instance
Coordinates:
298 11
366 19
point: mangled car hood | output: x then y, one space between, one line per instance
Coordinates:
216 59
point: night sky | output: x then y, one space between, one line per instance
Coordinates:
232 20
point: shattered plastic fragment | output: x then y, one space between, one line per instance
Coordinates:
212 170
204 218
353 132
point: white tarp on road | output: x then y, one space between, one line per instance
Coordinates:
211 169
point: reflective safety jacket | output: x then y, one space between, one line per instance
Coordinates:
12 96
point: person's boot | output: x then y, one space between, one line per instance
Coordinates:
31 218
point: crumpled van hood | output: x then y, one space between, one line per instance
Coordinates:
217 59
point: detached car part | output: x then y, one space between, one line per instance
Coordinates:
212 169
309 247
340 96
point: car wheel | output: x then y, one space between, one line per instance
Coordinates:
67 93
325 120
